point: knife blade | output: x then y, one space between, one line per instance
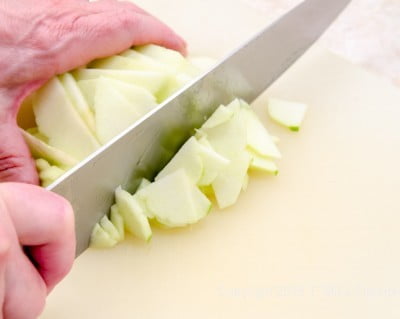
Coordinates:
143 148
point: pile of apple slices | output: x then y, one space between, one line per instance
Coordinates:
77 112
212 164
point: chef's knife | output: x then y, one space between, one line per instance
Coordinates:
143 148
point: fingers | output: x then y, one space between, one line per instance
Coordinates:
142 27
16 163
106 28
22 290
4 250
44 223
26 291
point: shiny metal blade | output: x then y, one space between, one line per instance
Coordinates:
142 149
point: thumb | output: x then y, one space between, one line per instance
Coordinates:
16 163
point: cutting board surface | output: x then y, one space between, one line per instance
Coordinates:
320 240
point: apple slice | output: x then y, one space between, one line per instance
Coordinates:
113 112
286 113
117 220
171 58
188 159
202 63
145 60
109 227
58 120
133 214
221 115
212 161
230 180
100 238
151 80
175 201
262 164
48 173
42 164
77 99
143 183
40 149
245 182
226 134
129 61
140 98
34 131
258 138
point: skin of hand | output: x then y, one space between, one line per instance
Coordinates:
39 224
42 38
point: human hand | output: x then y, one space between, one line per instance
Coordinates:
36 223
42 38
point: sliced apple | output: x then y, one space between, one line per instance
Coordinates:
77 99
202 63
245 182
258 138
287 113
42 164
58 120
129 61
188 159
150 80
100 238
48 175
109 227
230 180
229 137
221 115
169 57
140 98
262 164
133 214
212 161
34 131
113 112
40 149
117 220
143 183
175 201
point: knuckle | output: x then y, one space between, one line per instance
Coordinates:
13 168
63 213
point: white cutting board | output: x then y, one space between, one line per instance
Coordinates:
320 240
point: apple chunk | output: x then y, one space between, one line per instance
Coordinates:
132 212
229 182
286 113
174 200
258 138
